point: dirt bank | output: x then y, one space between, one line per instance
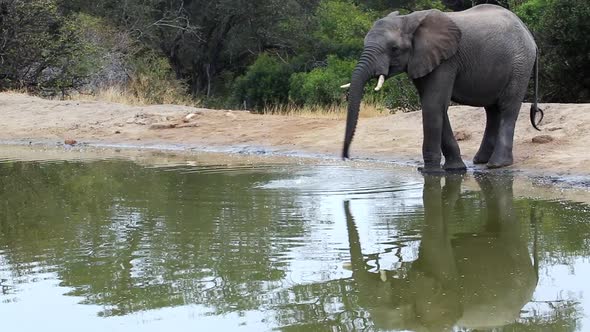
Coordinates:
395 137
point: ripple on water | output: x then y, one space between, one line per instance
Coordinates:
273 241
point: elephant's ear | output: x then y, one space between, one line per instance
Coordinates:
435 38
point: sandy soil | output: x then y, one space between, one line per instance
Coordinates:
391 138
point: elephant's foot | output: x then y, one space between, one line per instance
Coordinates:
500 161
436 169
455 166
481 157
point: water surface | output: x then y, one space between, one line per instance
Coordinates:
201 245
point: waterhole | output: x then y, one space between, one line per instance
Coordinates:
217 244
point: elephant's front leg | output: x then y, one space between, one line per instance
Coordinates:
450 148
432 126
435 94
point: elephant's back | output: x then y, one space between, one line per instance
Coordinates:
495 24
495 51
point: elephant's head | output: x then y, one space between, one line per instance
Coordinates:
415 43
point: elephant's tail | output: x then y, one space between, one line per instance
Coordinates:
535 106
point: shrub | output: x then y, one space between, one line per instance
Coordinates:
398 93
341 27
265 82
561 29
152 81
41 49
321 86
565 49
530 12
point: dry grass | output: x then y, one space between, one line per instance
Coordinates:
131 96
16 91
138 95
335 112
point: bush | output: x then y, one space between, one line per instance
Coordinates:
565 50
561 29
41 49
113 51
265 82
398 93
531 12
321 86
341 27
152 81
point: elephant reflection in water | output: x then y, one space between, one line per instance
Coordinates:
472 281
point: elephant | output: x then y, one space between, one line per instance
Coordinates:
475 280
482 57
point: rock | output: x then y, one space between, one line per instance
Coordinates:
70 141
462 135
117 131
189 117
163 126
554 128
542 139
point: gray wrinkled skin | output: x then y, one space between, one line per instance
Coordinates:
481 57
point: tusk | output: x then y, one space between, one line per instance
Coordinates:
380 83
345 86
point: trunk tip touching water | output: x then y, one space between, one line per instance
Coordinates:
351 122
359 79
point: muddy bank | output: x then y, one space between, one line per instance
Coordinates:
395 137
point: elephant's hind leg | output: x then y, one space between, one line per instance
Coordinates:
488 142
508 107
502 155
450 148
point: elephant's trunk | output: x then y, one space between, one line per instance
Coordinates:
361 74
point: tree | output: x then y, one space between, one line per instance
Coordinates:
40 48
458 5
565 49
561 29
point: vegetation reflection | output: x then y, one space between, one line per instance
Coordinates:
131 238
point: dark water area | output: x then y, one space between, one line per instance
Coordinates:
116 245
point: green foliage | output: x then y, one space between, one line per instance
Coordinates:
152 80
561 29
384 7
234 52
531 12
341 27
41 49
75 58
265 82
398 93
321 86
564 33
